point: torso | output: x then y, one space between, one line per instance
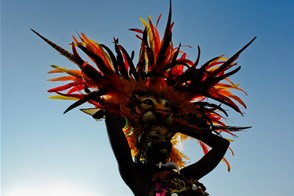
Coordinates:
152 181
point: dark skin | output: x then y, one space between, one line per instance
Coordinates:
139 176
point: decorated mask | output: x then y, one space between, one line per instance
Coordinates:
155 143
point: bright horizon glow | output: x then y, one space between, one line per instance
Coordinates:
51 189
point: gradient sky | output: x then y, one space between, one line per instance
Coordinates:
46 153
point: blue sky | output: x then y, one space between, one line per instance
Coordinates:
44 152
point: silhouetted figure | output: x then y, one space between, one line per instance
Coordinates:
151 173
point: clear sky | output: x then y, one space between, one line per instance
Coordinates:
46 153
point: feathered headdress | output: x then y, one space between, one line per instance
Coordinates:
162 69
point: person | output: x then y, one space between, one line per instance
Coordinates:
155 145
150 107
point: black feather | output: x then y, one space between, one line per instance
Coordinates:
97 59
92 96
91 72
130 62
62 51
232 59
112 56
120 61
198 58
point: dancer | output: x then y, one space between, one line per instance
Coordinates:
152 106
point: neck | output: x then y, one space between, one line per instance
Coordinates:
163 166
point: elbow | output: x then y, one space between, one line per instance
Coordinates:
222 146
226 143
223 143
218 142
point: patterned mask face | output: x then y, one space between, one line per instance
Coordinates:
158 133
152 109
156 143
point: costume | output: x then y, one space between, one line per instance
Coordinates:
111 82
169 182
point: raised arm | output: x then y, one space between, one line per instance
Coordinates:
209 161
119 144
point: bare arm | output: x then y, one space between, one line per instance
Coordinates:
209 161
120 146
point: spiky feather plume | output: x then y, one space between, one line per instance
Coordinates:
109 80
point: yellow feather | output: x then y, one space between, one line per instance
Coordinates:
144 23
76 73
62 97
